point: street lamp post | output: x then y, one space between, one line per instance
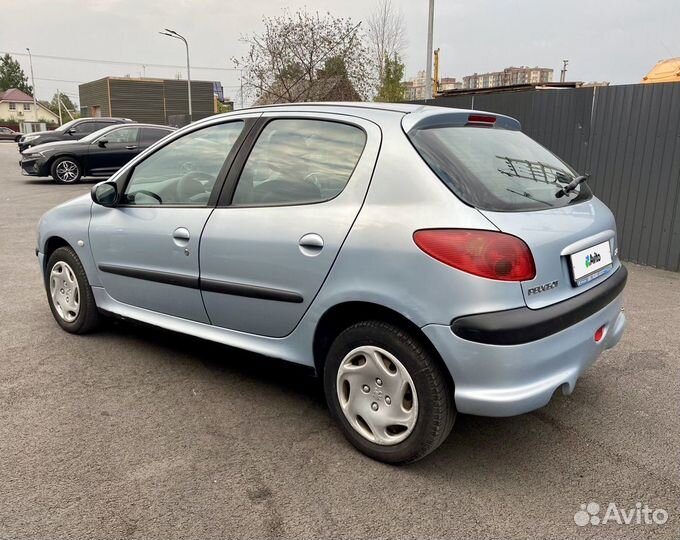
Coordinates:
428 66
35 104
173 34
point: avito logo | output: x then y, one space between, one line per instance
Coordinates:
593 258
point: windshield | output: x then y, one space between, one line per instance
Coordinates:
96 134
496 169
67 125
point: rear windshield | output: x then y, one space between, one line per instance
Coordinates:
496 169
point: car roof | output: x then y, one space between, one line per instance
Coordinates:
100 118
139 124
411 114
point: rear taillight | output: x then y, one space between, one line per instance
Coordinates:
489 254
481 120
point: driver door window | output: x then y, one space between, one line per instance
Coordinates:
183 172
122 136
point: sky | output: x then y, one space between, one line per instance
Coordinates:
604 40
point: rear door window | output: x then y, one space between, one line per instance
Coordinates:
151 135
299 161
496 169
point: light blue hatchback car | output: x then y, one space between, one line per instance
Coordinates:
422 260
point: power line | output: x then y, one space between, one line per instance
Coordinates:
115 62
83 82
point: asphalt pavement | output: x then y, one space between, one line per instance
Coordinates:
135 432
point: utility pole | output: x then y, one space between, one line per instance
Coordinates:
563 73
428 66
173 34
59 102
35 103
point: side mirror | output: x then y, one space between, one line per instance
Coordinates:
102 143
71 131
105 193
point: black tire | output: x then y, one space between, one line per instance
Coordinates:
436 407
88 316
66 170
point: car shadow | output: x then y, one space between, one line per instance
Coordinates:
239 363
474 439
46 180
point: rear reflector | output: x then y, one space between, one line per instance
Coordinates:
488 254
599 334
481 119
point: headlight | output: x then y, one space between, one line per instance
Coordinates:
28 138
34 155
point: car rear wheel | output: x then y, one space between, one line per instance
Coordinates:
69 293
389 394
66 170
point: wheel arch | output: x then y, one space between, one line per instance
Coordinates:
345 314
51 245
55 157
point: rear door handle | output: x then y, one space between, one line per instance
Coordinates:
311 244
131 147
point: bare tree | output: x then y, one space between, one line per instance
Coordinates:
386 34
306 56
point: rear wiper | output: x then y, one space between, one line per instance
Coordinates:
571 186
525 194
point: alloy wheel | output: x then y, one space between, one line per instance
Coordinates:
67 171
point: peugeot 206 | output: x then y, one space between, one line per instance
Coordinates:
423 261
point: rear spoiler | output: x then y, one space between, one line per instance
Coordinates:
431 117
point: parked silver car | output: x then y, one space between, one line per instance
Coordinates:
422 260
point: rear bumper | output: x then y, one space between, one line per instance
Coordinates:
506 380
522 325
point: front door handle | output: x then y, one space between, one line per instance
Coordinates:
311 244
131 147
181 236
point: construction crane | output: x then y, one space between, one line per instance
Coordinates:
435 85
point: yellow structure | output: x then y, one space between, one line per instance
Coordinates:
435 86
664 71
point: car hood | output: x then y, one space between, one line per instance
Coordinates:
50 146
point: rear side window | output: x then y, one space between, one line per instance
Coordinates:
299 161
496 169
88 127
151 135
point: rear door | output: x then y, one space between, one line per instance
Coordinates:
515 183
267 249
560 241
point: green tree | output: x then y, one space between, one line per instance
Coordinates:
333 67
12 76
391 89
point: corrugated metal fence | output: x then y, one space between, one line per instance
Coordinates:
628 139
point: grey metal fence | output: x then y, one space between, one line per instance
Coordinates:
627 137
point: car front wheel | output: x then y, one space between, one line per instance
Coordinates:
389 394
66 170
69 293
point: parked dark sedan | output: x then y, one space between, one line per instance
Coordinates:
7 134
71 131
99 154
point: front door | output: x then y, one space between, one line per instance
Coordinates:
146 248
265 256
112 150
